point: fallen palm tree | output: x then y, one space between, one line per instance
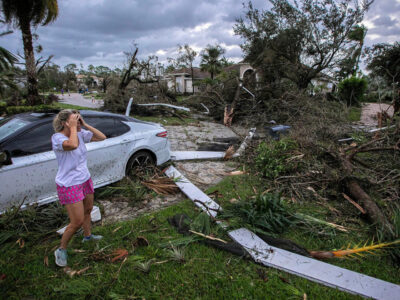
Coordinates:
161 185
352 251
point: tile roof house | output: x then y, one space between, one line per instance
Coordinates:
181 81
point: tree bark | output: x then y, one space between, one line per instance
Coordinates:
30 65
374 213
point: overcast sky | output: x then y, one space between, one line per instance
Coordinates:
99 31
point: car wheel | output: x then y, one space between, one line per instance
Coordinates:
140 162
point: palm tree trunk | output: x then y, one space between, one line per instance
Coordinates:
30 66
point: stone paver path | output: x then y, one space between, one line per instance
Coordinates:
369 111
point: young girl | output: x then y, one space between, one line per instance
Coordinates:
74 185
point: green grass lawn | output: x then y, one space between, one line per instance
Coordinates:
354 114
207 273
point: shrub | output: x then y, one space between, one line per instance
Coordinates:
12 110
272 157
351 90
3 107
266 213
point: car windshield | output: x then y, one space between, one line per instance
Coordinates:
9 126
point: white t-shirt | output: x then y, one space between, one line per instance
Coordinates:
72 165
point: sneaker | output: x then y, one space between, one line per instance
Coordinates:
61 257
92 237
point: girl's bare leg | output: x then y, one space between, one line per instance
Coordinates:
87 221
76 217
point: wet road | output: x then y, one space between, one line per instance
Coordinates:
78 99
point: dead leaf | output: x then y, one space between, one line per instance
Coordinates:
262 274
71 273
285 280
46 261
82 271
119 254
79 251
116 229
2 277
20 242
229 153
233 200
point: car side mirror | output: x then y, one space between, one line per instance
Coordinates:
5 158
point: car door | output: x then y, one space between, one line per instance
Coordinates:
30 177
107 159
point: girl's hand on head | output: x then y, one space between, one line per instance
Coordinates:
72 121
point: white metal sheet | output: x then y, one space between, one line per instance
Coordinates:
193 192
313 269
192 155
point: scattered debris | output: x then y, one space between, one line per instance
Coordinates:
229 153
207 110
71 273
245 142
362 210
208 237
46 261
193 192
119 254
235 173
128 108
161 185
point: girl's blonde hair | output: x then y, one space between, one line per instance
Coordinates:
62 117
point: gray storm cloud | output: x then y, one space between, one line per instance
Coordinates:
99 31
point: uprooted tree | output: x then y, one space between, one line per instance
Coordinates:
142 72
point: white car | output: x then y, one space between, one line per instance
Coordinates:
28 165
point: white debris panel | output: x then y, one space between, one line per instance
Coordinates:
193 192
193 155
314 270
167 105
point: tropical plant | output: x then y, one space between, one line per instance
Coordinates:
24 14
266 213
211 60
272 158
186 58
351 90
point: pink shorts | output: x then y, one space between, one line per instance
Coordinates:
75 193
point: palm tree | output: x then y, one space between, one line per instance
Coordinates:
211 60
7 60
24 14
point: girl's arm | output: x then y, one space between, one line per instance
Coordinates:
97 134
72 143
